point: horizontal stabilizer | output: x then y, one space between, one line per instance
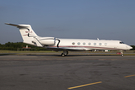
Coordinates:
19 25
12 24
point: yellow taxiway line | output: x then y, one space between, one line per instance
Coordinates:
85 85
129 76
93 83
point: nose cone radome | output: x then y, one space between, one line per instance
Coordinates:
129 47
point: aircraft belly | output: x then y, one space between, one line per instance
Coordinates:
68 48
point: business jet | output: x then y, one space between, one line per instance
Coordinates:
65 45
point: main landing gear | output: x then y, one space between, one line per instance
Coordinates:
65 53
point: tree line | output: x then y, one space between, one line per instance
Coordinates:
21 46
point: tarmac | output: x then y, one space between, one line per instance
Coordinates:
73 72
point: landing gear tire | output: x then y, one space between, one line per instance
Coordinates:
65 53
62 54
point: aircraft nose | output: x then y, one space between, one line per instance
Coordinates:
129 47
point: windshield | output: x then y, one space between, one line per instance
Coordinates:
121 42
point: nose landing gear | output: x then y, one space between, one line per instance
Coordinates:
121 52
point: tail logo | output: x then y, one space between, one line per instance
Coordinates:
27 33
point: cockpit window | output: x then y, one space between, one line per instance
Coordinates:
121 42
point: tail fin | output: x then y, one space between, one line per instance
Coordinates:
27 33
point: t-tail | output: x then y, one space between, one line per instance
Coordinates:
28 35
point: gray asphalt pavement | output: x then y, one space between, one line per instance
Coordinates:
74 72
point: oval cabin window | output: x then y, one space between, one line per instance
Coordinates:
73 43
78 43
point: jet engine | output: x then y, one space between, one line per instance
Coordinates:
47 40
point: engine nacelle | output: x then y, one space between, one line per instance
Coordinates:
47 40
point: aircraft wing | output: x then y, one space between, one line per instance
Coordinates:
68 48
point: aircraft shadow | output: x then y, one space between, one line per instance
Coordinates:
58 55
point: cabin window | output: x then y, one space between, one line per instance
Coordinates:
73 43
83 43
121 42
89 43
105 44
78 43
94 43
100 44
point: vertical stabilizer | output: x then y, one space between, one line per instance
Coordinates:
27 33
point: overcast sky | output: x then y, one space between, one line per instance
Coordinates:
78 19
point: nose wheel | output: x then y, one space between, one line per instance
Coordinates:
65 53
121 53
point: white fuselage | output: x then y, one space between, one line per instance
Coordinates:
88 44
